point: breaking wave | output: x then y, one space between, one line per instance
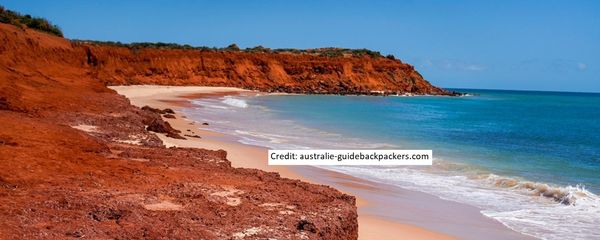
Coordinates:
537 209
235 102
569 195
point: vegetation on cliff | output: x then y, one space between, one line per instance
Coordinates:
37 23
326 52
41 24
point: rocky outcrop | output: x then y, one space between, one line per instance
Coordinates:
155 123
78 161
159 111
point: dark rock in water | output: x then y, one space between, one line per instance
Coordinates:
169 116
168 110
205 124
457 94
461 94
194 136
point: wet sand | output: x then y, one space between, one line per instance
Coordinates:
385 211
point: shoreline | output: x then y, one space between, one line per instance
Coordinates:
413 215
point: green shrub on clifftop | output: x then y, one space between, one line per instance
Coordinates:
17 19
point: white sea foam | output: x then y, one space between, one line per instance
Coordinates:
255 124
208 103
535 209
235 102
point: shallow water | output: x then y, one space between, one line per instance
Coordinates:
529 159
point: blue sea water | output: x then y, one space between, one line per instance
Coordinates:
528 159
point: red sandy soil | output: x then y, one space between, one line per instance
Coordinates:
77 159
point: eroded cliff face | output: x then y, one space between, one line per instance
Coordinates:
77 159
270 72
282 72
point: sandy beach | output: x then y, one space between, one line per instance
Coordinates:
385 211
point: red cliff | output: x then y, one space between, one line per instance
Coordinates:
67 172
264 71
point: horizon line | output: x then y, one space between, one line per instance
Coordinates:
518 90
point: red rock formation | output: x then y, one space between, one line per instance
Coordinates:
283 72
270 72
66 170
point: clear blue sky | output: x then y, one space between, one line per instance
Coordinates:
536 45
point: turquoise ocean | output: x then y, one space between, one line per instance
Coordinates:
530 160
